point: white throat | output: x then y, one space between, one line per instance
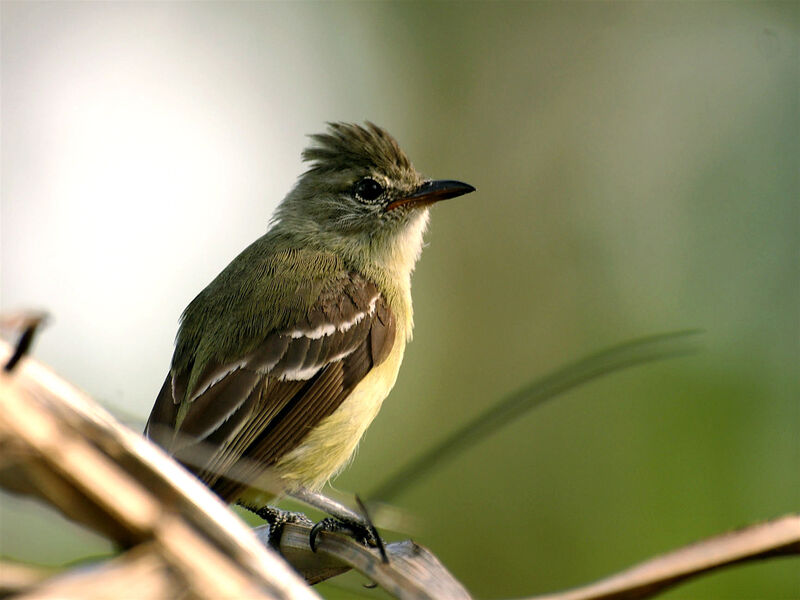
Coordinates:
406 249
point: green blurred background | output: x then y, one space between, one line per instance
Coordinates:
637 167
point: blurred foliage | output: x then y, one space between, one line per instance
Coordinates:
637 172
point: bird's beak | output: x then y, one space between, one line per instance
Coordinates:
432 191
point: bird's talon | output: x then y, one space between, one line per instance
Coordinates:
328 524
363 533
277 519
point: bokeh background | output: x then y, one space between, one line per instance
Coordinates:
637 169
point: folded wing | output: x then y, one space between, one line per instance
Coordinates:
242 416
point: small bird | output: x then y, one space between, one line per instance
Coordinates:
282 361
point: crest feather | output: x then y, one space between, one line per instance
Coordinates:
348 145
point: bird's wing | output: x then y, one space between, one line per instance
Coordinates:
262 405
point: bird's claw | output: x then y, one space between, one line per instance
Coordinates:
363 532
360 529
277 519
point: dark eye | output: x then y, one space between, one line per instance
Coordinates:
368 189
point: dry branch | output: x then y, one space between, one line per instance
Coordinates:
779 537
61 447
58 445
140 571
14 576
412 571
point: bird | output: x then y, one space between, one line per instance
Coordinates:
284 359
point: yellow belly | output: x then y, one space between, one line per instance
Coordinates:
331 444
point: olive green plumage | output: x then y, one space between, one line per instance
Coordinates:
284 358
318 231
265 288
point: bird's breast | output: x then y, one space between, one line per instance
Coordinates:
330 445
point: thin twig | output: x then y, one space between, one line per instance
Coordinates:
779 537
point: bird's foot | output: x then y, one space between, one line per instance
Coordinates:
361 530
277 519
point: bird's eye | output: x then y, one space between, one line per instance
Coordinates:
368 189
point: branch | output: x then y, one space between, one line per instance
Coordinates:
412 571
60 446
139 572
14 576
779 537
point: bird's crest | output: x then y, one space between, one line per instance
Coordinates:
348 145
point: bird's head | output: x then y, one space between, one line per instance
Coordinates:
361 194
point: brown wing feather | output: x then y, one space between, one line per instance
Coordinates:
245 415
159 426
